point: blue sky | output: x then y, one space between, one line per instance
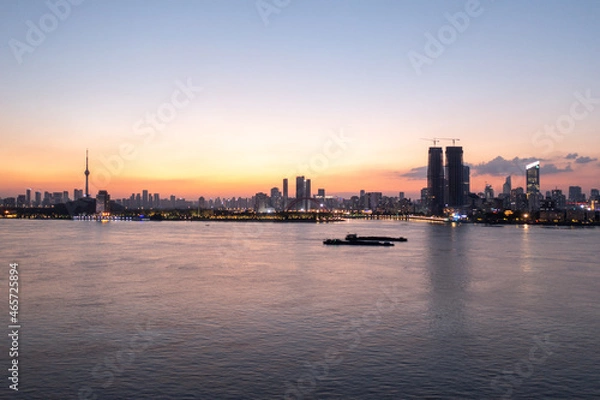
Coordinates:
272 94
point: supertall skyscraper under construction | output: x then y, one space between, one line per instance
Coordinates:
455 176
435 181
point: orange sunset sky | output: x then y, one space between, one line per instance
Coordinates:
220 99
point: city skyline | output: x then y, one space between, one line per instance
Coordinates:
170 98
457 182
447 187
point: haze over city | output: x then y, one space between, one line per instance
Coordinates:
228 98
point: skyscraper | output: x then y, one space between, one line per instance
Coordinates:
466 183
307 194
102 202
507 187
300 193
575 194
285 193
454 176
435 181
532 177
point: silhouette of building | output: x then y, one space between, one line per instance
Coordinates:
488 192
87 175
507 187
455 176
559 199
144 198
276 199
300 192
435 181
576 194
466 182
307 195
285 193
532 177
102 202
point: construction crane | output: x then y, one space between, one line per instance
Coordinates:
454 140
434 140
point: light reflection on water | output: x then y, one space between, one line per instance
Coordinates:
260 310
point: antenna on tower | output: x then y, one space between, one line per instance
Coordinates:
87 174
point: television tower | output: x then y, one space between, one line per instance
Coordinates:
87 174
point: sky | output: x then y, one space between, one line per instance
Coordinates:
227 98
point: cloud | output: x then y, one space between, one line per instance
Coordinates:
500 166
571 156
585 160
416 173
549 169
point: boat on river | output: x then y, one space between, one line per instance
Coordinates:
354 236
356 242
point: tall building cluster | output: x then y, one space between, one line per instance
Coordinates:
447 185
448 193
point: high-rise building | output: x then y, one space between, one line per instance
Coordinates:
435 181
156 202
28 197
300 192
362 200
285 193
454 176
488 192
466 182
507 187
57 198
276 199
575 194
559 199
307 195
65 196
532 178
77 194
594 194
401 196
260 202
38 199
144 198
373 200
102 202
